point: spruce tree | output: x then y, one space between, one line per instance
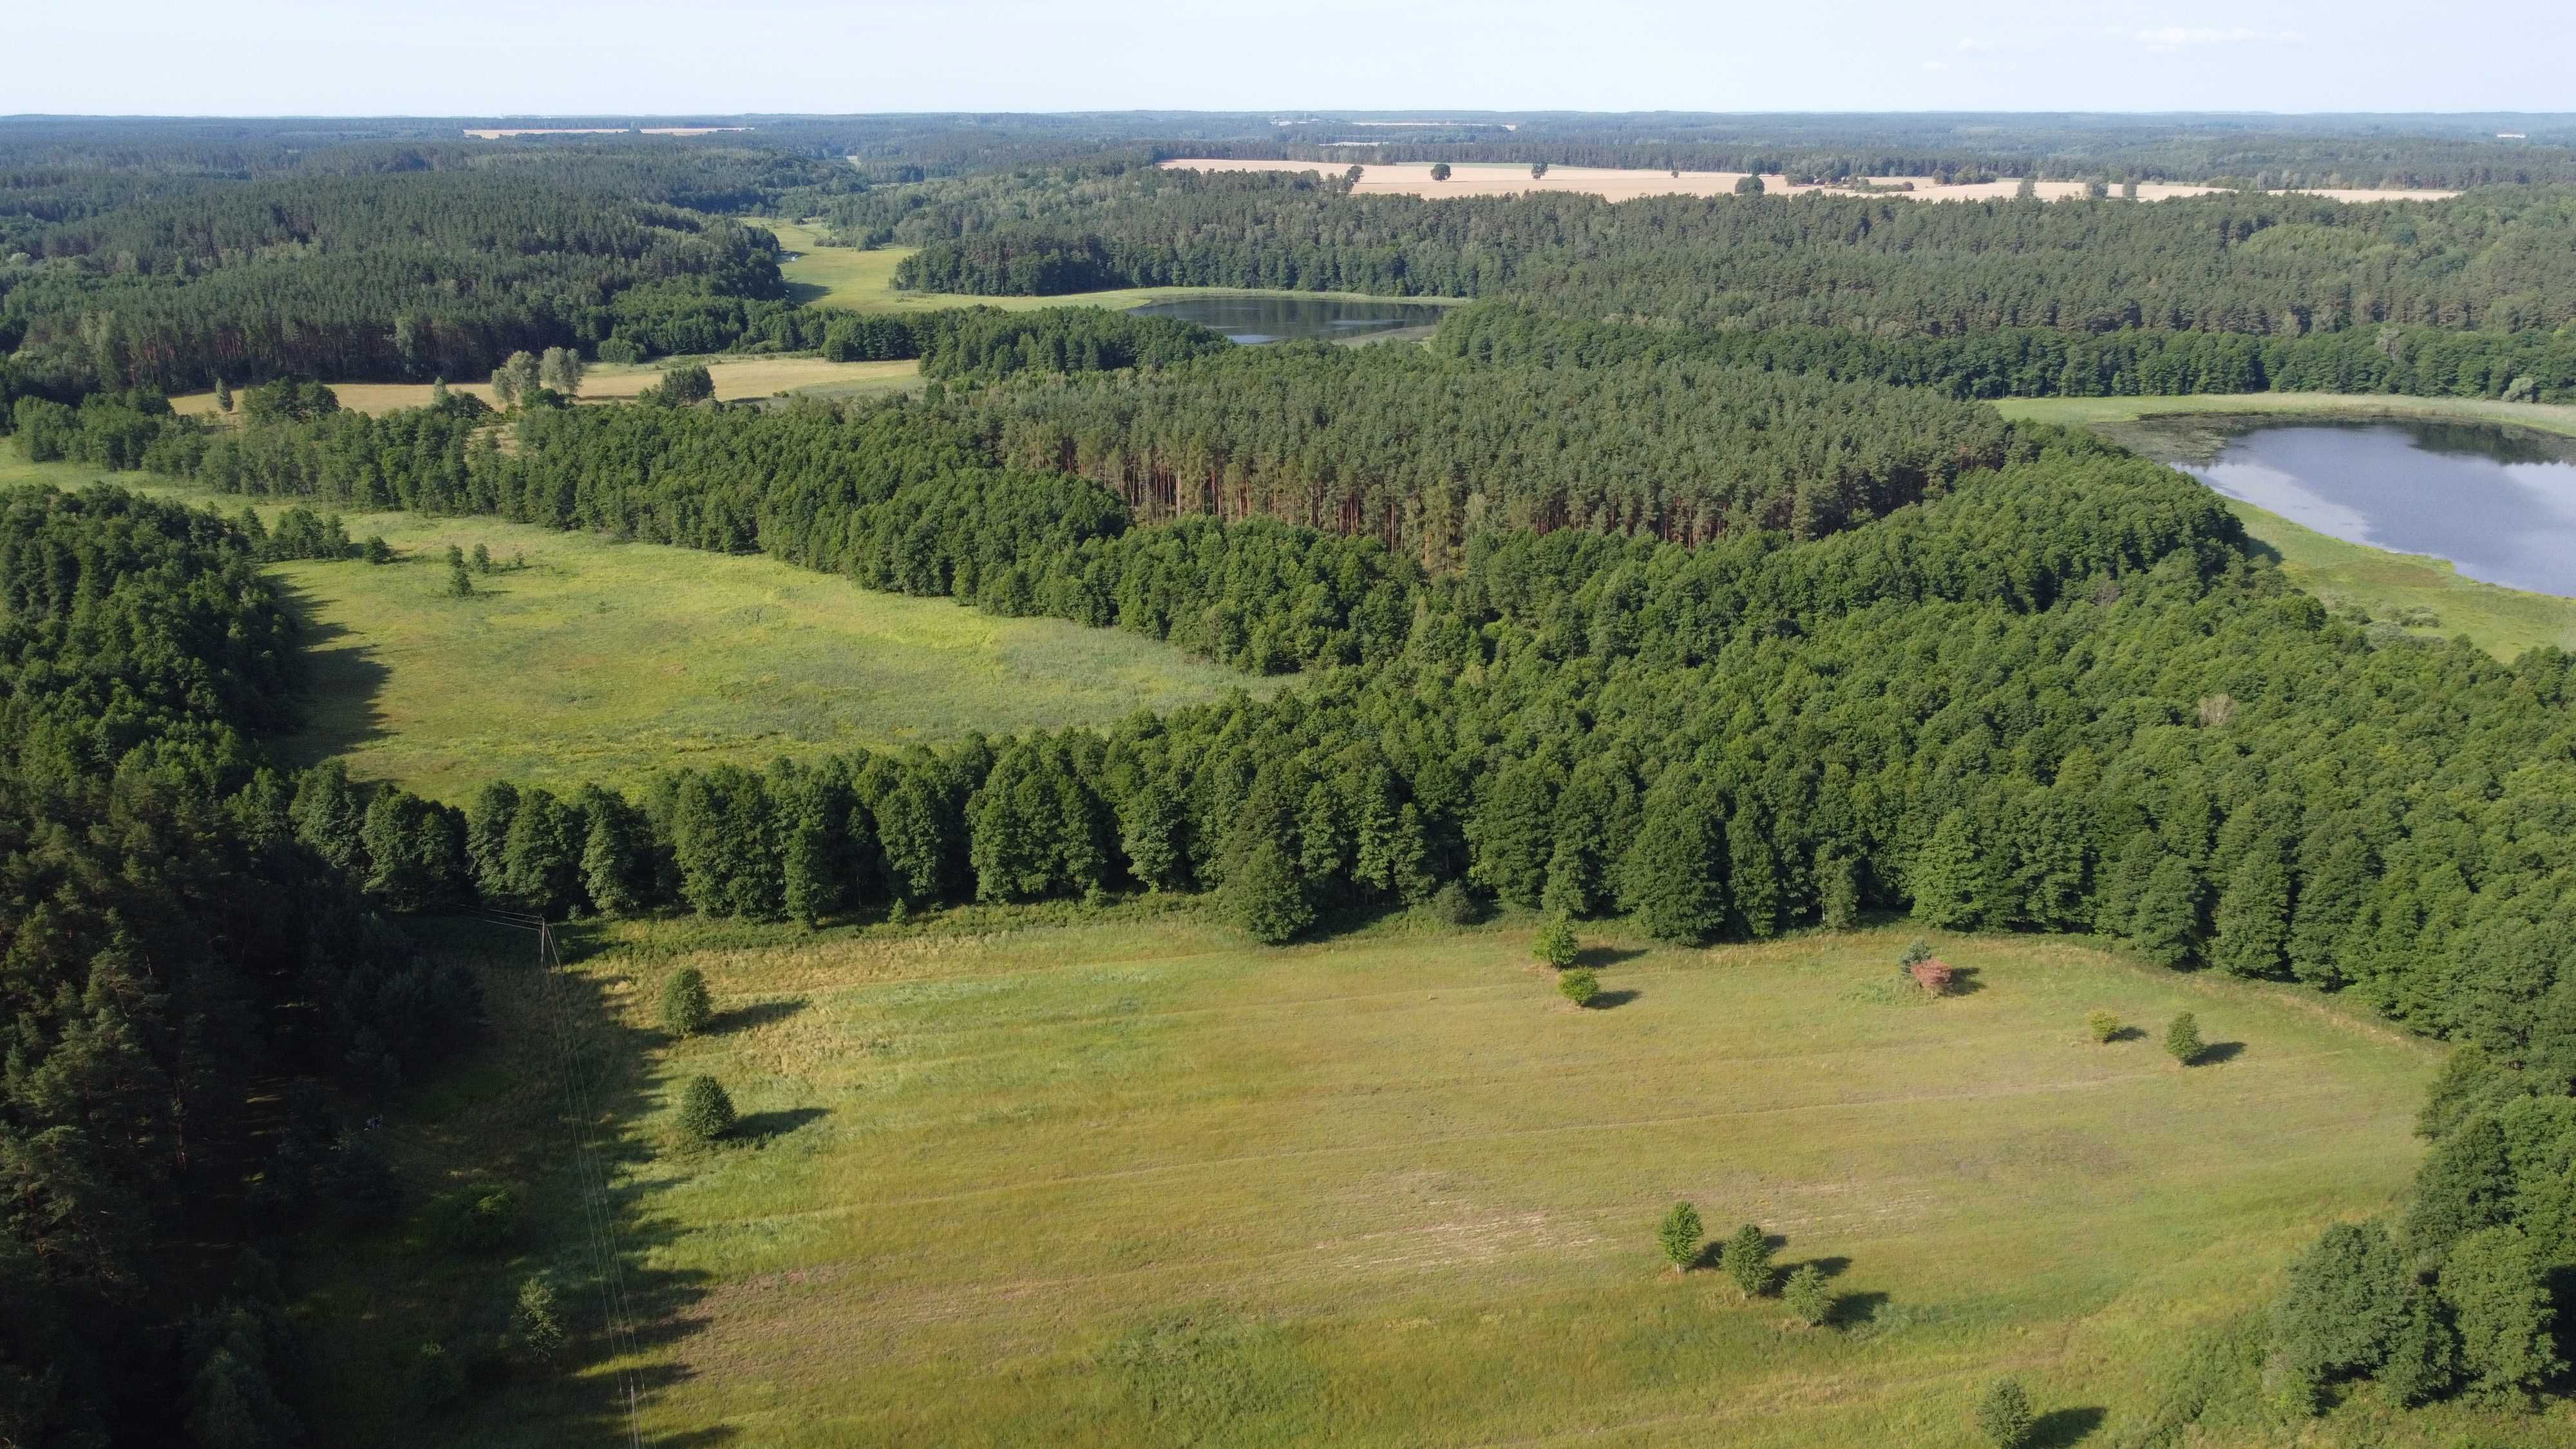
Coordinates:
1838 891
2182 1039
1806 1296
1555 945
706 1113
1674 872
2253 917
2464 1186
487 835
2498 1292
539 1322
1679 1236
611 854
329 817
686 1006
2344 1304
2004 1414
2166 925
1948 880
1265 896
223 393
1746 1259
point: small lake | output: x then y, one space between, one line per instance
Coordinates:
1278 319
2499 503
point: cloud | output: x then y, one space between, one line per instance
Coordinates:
1936 65
2177 37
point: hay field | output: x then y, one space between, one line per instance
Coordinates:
1495 178
735 378
607 661
2503 621
1111 1177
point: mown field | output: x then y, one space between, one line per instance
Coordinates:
1116 1178
735 378
2503 621
863 281
587 659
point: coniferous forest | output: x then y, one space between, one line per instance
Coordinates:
1683 578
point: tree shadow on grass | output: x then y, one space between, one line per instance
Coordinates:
1963 982
1853 1310
1826 1267
2127 1033
2217 1052
1597 957
342 680
2059 1428
759 1013
761 1127
1610 1000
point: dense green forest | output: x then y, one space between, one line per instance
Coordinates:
165 943
1682 579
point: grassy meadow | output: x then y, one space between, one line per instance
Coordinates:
582 658
735 378
1110 1176
2391 586
863 281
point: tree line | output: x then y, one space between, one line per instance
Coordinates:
171 952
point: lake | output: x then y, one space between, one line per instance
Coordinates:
2499 503
1277 319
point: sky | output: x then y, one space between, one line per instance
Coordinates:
570 57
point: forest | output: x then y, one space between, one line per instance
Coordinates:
1682 580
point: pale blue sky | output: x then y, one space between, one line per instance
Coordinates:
448 57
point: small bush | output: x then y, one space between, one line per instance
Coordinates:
1455 905
2182 1039
2004 1416
1917 951
540 1323
437 1379
686 1007
2103 1025
1678 1235
476 1218
1746 1259
1555 945
1579 986
375 550
706 1113
1805 1295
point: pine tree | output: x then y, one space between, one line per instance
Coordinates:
1753 881
223 393
2166 925
329 817
1679 1236
1806 1296
2498 1293
612 872
686 1006
1838 891
2182 1039
487 835
541 855
1674 876
1949 877
2004 1414
706 1113
539 1322
1746 1259
2253 917
1513 833
1265 896
2329 897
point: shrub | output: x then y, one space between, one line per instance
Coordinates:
1555 945
706 1113
686 1008
1917 951
375 550
2003 1414
1678 1235
1806 1296
540 1325
1579 986
476 1218
2182 1039
2498 1293
1267 897
437 1379
1455 905
2103 1024
1746 1259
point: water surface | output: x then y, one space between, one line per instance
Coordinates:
1277 319
2498 503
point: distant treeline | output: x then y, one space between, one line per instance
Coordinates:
2258 265
2026 362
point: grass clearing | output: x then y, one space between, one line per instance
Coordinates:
1115 1178
2390 585
735 378
608 661
863 281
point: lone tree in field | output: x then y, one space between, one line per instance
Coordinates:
2182 1039
2026 189
1579 986
2004 1416
1749 184
460 584
1805 1295
561 369
1555 945
686 1008
706 1113
1538 170
223 393
1678 1235
2104 1025
1746 1259
1439 170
